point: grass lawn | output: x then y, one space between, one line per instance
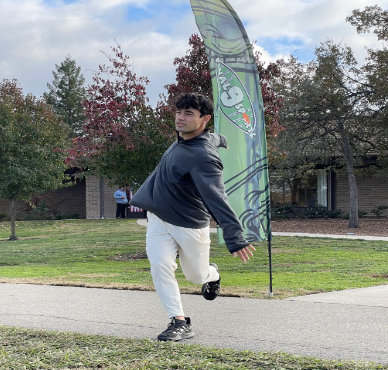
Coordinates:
35 349
111 254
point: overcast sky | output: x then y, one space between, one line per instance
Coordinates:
37 34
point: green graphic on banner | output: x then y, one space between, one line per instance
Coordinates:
239 115
235 103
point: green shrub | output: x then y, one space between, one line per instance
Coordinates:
66 216
278 216
41 207
380 209
4 216
32 216
284 211
316 212
291 211
334 213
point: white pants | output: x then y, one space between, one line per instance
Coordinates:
164 242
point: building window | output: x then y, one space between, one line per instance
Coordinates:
322 188
307 193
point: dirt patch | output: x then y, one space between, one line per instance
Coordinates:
128 257
367 227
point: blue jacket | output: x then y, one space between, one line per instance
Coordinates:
119 196
186 189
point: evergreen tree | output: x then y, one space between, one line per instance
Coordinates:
66 94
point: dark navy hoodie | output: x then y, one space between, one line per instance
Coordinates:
186 188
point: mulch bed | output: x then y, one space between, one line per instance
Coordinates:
367 227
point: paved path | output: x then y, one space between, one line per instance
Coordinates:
340 325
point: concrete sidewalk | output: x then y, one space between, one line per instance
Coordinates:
350 325
376 296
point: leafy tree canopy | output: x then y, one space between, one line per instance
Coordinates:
374 18
328 102
123 139
31 149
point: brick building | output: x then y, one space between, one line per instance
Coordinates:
331 189
372 193
69 200
90 198
99 199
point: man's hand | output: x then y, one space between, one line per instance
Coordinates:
245 253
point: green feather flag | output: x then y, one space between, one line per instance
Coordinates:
239 115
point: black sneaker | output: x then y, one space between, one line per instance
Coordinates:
177 330
211 289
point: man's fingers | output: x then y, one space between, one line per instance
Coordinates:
242 258
248 252
244 253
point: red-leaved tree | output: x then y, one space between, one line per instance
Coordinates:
122 139
193 74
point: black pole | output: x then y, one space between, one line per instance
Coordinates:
270 266
102 200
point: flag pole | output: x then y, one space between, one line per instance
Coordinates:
270 292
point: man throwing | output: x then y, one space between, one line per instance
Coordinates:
181 195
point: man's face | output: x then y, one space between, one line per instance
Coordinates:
189 123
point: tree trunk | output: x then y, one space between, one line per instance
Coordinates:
353 191
13 221
294 190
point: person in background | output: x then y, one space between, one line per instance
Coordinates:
122 201
128 193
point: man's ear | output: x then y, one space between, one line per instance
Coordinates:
206 118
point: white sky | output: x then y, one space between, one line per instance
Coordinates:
37 34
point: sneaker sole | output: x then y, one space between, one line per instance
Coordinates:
184 336
206 295
204 286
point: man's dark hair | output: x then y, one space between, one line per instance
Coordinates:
196 101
